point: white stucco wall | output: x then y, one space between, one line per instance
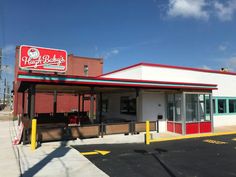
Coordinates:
131 73
153 104
224 120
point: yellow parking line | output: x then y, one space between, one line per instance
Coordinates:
192 136
214 141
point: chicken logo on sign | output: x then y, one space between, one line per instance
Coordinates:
42 59
33 53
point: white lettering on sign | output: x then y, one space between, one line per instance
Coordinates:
42 60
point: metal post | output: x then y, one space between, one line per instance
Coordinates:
31 110
29 102
91 116
23 107
54 103
137 105
100 108
102 129
78 104
211 112
183 112
83 103
33 134
32 101
147 140
198 112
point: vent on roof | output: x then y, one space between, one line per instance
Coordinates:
224 69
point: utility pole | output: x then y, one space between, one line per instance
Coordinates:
0 73
4 92
8 93
0 63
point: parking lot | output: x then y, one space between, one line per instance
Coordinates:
208 156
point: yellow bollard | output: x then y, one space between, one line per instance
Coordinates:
33 134
147 132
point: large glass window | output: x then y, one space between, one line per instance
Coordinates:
232 106
222 106
170 107
191 107
177 107
174 107
127 105
197 106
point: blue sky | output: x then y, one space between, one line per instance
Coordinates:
195 33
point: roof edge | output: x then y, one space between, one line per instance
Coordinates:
171 67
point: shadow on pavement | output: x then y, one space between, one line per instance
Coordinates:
57 153
166 168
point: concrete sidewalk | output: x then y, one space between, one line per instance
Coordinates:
8 159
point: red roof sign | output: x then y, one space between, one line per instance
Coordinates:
42 59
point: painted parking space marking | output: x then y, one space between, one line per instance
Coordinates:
214 141
95 152
234 139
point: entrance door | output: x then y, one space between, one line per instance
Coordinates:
174 118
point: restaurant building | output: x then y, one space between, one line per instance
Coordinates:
177 99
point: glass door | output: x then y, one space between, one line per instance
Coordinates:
174 115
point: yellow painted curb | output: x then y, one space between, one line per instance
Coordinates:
192 136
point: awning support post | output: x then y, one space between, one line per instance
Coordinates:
54 102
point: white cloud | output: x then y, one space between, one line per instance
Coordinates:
202 9
225 11
188 8
222 47
111 53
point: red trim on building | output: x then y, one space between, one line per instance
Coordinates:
120 79
115 84
119 85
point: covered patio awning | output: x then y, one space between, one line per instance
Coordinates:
82 83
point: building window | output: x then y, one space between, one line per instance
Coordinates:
232 106
192 108
170 107
105 105
127 105
222 106
86 70
174 107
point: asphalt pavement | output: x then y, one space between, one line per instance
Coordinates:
208 156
